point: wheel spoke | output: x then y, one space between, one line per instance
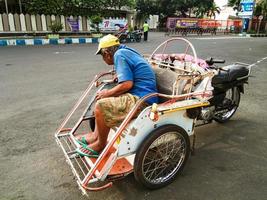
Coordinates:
151 163
164 157
229 105
159 173
154 169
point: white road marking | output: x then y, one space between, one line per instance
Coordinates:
220 38
257 62
63 52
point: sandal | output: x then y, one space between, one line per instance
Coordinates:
92 154
82 141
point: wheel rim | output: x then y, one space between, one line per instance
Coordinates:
164 157
232 96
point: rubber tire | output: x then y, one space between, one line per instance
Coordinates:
143 149
227 119
138 38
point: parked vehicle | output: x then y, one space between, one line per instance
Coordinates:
126 36
227 82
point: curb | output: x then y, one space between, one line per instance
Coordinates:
258 35
244 35
24 42
253 35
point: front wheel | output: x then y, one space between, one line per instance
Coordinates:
226 109
162 156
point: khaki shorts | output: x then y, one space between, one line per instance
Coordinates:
115 109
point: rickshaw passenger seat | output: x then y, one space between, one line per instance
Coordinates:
165 79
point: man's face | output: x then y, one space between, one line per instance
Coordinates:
107 57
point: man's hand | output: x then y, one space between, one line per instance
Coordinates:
115 79
116 91
102 94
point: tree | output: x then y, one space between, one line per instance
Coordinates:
261 8
201 11
264 7
203 8
235 4
43 6
75 7
213 10
96 20
56 27
146 7
170 8
118 4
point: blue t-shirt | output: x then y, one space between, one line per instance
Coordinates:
131 66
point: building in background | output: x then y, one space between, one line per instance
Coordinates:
225 13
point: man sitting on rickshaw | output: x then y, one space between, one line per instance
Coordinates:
135 80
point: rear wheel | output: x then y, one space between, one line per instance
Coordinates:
138 38
162 156
228 107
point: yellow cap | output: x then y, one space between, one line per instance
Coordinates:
107 41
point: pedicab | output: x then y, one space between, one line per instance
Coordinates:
156 143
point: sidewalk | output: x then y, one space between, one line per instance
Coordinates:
11 41
41 41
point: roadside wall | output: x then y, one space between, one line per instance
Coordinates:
25 23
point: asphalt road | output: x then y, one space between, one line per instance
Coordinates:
38 86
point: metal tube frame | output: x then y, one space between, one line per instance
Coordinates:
175 39
124 124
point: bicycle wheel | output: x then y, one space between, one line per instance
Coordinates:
162 156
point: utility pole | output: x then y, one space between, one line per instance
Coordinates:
20 7
259 25
251 20
6 7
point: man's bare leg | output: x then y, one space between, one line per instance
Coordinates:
89 137
101 131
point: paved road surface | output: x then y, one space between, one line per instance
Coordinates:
38 85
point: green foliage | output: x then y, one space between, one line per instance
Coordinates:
43 6
74 7
203 8
261 8
251 32
258 10
170 8
96 20
201 11
235 4
56 27
118 4
213 10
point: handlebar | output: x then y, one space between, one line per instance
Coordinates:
211 61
